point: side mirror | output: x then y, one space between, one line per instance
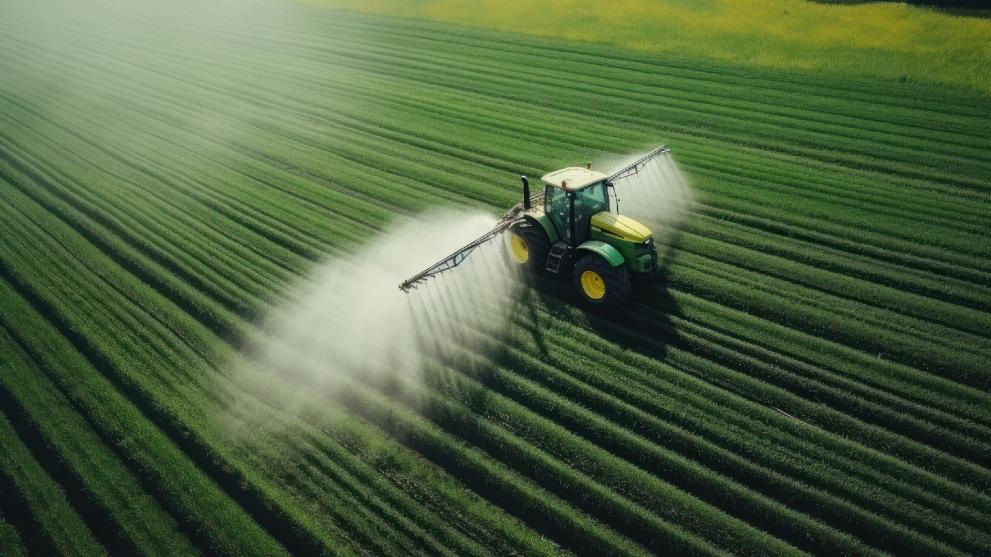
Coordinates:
615 195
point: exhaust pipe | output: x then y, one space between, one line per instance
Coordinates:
526 192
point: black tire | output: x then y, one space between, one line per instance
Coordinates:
537 246
616 282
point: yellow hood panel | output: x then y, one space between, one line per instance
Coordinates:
620 225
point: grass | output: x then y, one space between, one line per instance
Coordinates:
810 376
886 40
38 505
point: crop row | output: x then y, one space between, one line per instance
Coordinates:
35 503
124 515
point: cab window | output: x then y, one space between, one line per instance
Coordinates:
591 200
556 205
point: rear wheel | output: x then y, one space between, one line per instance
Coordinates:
527 245
599 284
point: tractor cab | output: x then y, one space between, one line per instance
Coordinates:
577 205
571 197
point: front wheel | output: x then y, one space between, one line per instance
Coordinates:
599 284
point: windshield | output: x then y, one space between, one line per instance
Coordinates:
591 200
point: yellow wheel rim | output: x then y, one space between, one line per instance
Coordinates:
593 285
518 249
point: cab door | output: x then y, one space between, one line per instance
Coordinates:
557 205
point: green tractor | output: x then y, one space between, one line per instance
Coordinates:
574 233
572 229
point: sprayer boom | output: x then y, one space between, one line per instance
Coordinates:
456 258
635 167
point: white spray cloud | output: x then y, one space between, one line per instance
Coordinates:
349 321
658 195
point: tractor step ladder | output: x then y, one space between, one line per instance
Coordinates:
559 251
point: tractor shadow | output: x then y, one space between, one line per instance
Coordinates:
644 325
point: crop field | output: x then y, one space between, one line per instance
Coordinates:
811 374
892 41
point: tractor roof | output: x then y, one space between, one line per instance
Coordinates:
572 178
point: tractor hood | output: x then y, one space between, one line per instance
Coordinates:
621 226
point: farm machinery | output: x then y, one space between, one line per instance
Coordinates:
573 229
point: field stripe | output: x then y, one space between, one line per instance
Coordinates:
43 519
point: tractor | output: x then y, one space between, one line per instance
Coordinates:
574 234
573 229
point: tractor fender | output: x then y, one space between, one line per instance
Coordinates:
545 222
609 253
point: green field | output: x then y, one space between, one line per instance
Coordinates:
811 374
891 41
